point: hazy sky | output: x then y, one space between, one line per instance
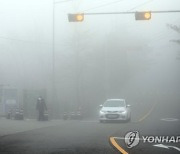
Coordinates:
32 19
26 30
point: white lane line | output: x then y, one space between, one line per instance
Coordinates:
170 119
167 146
90 121
123 138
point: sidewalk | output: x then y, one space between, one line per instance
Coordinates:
9 126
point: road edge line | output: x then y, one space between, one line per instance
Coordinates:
148 113
114 143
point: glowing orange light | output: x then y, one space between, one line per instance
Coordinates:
79 17
147 15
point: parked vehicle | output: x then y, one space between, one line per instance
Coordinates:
72 115
19 115
65 116
9 114
46 116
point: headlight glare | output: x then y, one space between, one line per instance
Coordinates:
101 111
124 112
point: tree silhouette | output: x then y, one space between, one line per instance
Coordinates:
176 29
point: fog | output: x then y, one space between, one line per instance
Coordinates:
105 56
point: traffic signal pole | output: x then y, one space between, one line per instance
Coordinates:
105 13
139 15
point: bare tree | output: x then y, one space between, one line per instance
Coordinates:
176 28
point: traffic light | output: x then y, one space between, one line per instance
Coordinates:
143 15
76 17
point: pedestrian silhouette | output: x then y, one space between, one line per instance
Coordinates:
41 107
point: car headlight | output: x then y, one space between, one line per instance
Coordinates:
124 112
101 111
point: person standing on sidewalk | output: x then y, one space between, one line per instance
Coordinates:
41 107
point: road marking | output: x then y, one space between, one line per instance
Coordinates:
114 143
161 146
123 138
148 113
89 121
170 119
166 146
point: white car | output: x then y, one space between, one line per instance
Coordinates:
113 110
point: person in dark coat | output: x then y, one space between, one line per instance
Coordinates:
41 107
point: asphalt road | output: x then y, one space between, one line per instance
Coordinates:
155 102
90 136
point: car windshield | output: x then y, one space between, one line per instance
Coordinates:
114 103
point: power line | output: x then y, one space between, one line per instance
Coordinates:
13 39
103 5
111 3
140 5
62 1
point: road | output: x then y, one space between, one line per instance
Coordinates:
154 96
90 136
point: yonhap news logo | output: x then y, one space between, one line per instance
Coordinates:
132 139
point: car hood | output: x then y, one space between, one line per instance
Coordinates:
113 109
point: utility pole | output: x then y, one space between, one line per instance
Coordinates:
54 99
